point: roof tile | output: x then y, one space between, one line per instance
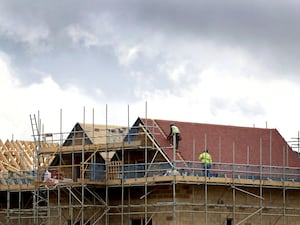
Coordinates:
226 144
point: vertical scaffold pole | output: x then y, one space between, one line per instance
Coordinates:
35 126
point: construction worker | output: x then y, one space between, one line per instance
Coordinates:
206 161
174 133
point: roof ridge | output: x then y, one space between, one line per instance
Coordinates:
213 124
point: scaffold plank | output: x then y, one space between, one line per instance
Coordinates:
92 147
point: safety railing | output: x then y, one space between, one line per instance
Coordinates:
97 172
21 177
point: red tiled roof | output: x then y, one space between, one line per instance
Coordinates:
226 144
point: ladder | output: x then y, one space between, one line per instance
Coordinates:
178 153
37 140
35 128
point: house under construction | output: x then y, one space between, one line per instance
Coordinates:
101 174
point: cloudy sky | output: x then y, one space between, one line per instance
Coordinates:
222 62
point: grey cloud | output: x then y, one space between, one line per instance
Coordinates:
259 22
266 29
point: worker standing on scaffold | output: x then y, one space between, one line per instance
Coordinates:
174 133
206 161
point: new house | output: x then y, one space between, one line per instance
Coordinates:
103 174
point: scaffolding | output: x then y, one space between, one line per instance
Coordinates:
127 178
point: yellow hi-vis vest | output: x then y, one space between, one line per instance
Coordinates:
175 130
205 157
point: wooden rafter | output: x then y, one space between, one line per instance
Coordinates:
18 156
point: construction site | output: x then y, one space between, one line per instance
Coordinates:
107 174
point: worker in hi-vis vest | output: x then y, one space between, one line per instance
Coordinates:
206 161
174 133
